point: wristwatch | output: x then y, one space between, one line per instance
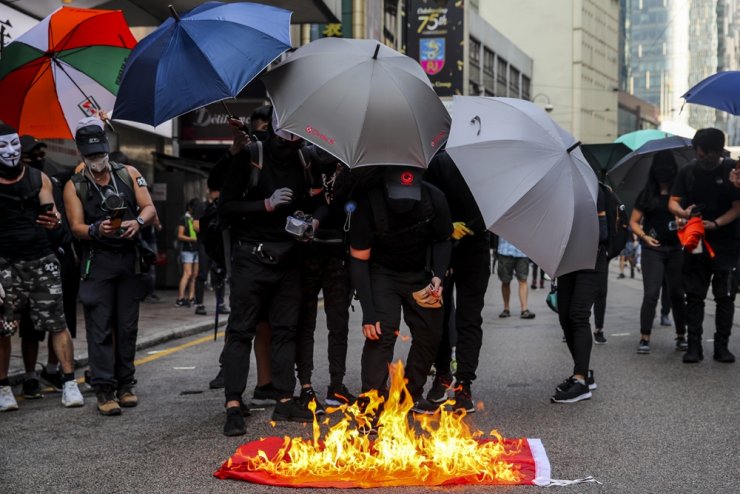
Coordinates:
140 220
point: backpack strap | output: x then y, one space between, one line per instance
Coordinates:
255 148
379 210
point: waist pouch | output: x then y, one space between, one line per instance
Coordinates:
272 253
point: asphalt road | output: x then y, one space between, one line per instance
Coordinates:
654 425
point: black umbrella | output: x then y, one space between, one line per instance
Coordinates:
603 157
630 175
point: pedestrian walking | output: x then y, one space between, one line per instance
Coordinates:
187 238
107 205
513 262
662 258
703 188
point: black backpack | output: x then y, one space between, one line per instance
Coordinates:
616 221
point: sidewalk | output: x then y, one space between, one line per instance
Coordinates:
158 322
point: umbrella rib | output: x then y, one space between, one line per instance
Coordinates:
61 67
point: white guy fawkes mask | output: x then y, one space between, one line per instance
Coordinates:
10 150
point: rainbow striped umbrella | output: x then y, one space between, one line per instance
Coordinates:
65 68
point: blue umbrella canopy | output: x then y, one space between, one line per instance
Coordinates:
206 55
721 91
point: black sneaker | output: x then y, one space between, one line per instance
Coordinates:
181 302
265 395
721 354
681 344
55 380
425 407
234 425
665 320
599 338
32 389
463 398
694 354
643 347
589 380
200 310
307 395
222 309
292 411
440 387
339 395
218 381
571 391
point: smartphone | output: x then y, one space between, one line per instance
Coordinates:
116 216
46 208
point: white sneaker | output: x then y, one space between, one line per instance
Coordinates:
7 400
71 396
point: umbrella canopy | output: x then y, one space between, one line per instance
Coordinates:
630 175
718 91
602 157
634 140
62 70
531 182
361 101
206 55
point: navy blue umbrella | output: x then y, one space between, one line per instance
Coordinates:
206 55
721 91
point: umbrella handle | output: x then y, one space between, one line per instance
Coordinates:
476 119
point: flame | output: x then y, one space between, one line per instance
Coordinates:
437 449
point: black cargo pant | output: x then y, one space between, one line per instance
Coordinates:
206 266
257 287
658 265
392 291
110 294
576 294
698 272
468 279
325 267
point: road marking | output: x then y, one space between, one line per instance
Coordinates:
170 351
183 368
153 352
620 334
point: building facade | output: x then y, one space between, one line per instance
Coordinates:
574 48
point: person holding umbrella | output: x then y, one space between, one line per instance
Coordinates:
399 253
703 188
662 258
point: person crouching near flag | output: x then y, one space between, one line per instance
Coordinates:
400 250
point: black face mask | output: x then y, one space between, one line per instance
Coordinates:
10 172
664 175
280 151
261 135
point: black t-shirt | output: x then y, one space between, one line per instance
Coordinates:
713 191
185 222
404 244
656 221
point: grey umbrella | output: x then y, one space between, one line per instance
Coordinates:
359 100
630 174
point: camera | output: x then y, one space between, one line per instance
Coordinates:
300 225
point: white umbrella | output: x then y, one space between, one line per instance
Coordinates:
531 181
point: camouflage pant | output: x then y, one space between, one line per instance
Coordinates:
35 283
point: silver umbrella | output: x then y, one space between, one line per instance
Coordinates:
361 101
529 178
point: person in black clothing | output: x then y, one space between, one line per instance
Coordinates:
61 242
576 294
107 205
662 258
326 268
30 274
703 188
468 275
207 267
265 270
395 230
